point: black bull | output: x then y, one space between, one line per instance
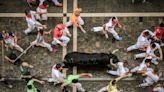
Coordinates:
89 59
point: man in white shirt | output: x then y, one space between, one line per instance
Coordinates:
151 78
58 35
143 66
40 41
42 11
10 38
109 27
121 69
56 75
150 53
142 41
31 21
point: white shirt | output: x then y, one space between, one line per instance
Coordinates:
31 21
151 78
142 41
151 51
142 66
158 89
39 38
9 40
41 10
121 69
109 24
56 73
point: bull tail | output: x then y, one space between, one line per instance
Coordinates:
114 51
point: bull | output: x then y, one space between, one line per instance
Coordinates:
81 59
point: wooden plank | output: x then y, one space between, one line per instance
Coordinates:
3 59
74 42
64 21
23 15
64 6
108 79
88 79
75 70
74 4
150 14
139 14
74 38
23 52
64 71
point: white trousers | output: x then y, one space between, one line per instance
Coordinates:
80 21
133 47
145 83
17 47
142 55
55 2
116 73
31 27
64 39
110 30
52 79
43 44
79 87
138 68
135 69
113 72
41 16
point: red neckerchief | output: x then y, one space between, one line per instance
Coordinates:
143 34
55 68
42 7
113 23
29 16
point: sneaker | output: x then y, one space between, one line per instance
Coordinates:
50 80
10 86
120 38
57 83
59 5
108 71
125 49
25 33
156 63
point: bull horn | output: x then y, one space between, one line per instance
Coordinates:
111 61
114 51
